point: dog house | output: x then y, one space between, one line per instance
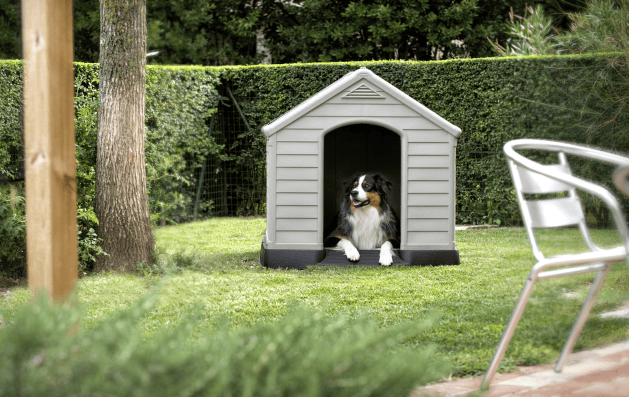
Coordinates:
359 124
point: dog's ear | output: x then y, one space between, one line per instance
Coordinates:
383 185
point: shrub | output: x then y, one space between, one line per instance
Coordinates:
13 232
304 354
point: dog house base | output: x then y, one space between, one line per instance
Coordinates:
301 259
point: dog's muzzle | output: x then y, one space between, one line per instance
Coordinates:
358 203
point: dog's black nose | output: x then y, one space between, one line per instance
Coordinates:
354 193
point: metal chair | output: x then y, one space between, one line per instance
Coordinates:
530 177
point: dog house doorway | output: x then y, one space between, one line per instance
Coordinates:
359 149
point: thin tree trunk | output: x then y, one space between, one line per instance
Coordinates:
121 201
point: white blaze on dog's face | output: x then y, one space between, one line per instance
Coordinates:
358 194
363 192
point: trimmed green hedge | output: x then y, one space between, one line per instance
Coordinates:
180 103
10 117
492 100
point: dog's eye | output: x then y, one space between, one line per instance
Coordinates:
366 185
355 184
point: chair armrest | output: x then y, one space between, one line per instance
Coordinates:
605 195
569 148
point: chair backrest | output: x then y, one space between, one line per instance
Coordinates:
544 212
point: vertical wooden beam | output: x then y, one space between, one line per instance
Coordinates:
51 234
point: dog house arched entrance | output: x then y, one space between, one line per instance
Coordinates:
359 148
341 118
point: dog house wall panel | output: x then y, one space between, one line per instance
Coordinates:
296 158
293 188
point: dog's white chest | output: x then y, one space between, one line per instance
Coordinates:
367 231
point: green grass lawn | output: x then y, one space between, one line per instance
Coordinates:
215 269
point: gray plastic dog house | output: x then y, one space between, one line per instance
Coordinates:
359 124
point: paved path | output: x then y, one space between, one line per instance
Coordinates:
599 372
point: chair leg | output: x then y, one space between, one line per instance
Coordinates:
508 332
583 315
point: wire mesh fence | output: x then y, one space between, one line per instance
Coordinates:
230 183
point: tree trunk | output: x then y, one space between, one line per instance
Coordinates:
121 201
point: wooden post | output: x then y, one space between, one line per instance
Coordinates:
51 235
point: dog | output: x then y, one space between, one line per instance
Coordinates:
366 221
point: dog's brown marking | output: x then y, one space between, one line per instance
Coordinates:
374 198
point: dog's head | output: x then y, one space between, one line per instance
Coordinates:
368 189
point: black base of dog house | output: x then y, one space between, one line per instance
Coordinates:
300 259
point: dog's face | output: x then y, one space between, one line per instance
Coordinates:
368 189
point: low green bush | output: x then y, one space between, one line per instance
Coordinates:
306 353
13 232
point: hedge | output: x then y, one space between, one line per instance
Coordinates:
206 121
10 117
493 100
180 102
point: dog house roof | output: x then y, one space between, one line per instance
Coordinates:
361 92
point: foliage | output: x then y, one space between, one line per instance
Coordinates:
86 106
492 100
86 24
10 23
180 103
11 143
596 90
228 32
532 34
332 31
10 119
603 28
218 32
306 353
13 231
179 106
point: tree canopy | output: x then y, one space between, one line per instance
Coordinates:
233 32
330 30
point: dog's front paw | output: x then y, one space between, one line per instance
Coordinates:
348 248
386 259
386 254
352 253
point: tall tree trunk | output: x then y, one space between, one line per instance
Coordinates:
121 201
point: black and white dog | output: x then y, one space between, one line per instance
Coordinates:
366 221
